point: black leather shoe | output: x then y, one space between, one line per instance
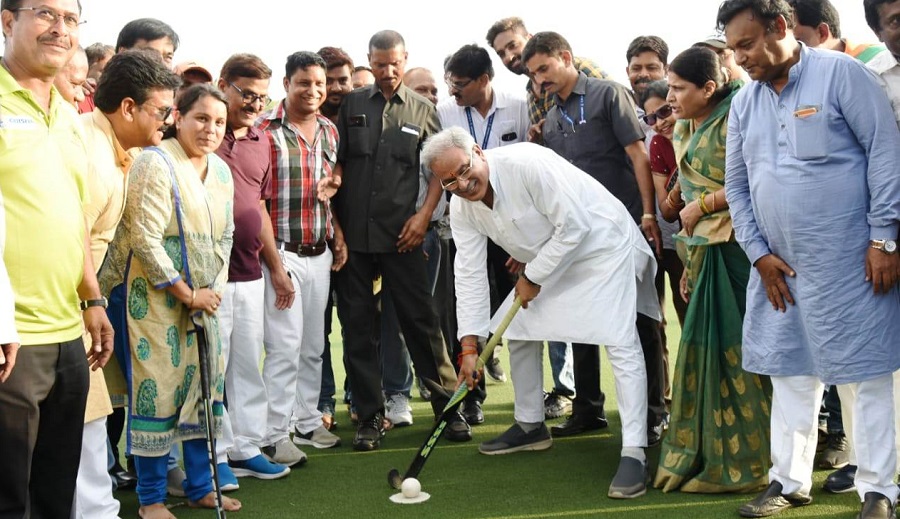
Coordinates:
876 506
457 429
772 501
577 424
369 433
655 433
123 479
841 480
473 413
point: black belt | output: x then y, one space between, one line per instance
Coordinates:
302 249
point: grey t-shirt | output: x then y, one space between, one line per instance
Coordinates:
591 129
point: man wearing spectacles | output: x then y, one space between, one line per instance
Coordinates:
494 119
69 80
382 128
114 132
244 79
582 253
594 125
45 381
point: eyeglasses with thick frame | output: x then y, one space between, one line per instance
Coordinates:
160 113
663 112
249 97
49 17
453 183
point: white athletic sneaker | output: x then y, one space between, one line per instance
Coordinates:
320 438
397 410
174 480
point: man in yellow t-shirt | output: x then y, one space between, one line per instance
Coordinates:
42 177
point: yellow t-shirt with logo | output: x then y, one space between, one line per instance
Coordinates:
43 165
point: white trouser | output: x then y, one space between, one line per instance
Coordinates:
93 488
794 430
629 371
850 395
294 341
241 316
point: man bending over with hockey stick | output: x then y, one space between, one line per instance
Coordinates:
582 254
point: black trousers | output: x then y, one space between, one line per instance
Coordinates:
406 279
41 424
589 399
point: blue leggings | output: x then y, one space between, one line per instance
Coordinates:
152 472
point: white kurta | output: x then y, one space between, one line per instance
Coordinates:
578 241
7 301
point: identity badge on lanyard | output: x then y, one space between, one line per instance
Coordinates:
487 131
568 119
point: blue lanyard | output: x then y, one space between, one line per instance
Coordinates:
568 119
487 131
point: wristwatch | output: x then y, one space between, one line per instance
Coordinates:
885 246
102 302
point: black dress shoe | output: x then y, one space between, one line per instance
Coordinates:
473 413
841 480
369 433
123 479
578 423
876 506
772 501
457 429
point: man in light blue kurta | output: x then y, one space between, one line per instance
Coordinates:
812 175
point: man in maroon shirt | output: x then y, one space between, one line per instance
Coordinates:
245 81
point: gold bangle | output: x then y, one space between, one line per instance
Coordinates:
648 216
193 296
702 203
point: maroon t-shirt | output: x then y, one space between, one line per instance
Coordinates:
248 158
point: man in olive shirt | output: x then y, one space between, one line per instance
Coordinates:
382 127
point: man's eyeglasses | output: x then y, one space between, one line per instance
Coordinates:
457 85
249 97
662 113
49 17
453 183
161 113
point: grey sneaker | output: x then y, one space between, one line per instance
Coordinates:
556 405
174 482
515 439
320 438
630 480
397 410
284 452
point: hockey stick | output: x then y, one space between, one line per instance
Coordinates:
203 353
394 478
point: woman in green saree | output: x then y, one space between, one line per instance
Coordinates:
719 430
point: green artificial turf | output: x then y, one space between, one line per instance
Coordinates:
569 480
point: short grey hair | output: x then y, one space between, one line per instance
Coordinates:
441 143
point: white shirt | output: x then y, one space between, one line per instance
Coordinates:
578 242
8 332
888 69
509 124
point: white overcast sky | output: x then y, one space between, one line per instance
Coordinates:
212 30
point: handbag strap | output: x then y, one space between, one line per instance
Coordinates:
176 196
